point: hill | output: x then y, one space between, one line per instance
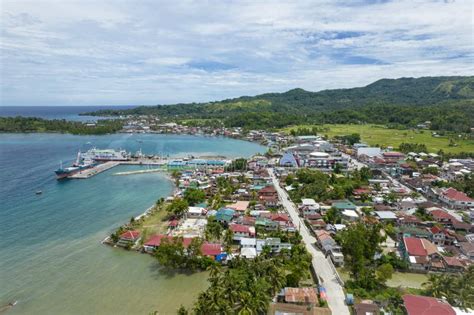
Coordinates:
447 101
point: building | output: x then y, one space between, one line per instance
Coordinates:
366 309
128 238
419 305
456 199
309 207
420 253
242 231
300 295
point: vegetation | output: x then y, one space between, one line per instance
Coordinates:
412 147
465 184
177 207
237 165
247 286
173 254
194 196
383 136
457 289
320 186
447 102
30 124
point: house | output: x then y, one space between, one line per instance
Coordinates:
420 253
418 305
392 157
128 238
343 205
240 231
309 206
467 249
268 196
456 199
224 215
350 215
386 216
366 309
211 250
207 249
195 212
274 243
267 224
441 216
155 241
239 206
437 235
453 264
301 295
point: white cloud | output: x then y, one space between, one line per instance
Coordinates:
147 52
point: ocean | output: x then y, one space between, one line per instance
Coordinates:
51 258
56 112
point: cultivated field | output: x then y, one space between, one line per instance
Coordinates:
380 135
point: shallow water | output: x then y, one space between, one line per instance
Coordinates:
51 259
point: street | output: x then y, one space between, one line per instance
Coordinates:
335 293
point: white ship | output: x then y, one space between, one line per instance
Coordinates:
103 155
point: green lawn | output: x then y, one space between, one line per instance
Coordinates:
382 136
402 279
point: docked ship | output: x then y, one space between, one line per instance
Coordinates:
80 164
105 155
90 159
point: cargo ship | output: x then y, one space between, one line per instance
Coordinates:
90 159
80 164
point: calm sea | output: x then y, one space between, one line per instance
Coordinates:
56 112
51 259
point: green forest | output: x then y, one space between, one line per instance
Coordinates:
447 102
32 124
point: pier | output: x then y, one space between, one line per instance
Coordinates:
94 170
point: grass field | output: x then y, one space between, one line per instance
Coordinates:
382 136
403 279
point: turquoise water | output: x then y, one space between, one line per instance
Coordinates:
51 259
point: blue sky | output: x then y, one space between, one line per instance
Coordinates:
93 52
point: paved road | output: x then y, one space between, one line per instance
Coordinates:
335 294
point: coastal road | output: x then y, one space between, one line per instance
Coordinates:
328 279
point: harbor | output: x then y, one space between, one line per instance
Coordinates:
96 161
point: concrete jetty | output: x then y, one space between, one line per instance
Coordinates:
94 170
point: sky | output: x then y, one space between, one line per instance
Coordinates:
98 52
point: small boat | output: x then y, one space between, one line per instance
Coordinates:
38 192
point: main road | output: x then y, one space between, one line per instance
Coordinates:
323 268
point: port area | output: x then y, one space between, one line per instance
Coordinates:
160 165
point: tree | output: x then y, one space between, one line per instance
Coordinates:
359 244
333 216
194 196
182 310
213 229
384 272
228 240
458 290
177 207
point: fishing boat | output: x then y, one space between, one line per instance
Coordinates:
38 192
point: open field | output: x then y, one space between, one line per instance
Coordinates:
402 279
381 135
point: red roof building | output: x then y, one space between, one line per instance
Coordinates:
130 235
442 216
209 249
424 305
456 199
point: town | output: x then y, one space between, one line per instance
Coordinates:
341 218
